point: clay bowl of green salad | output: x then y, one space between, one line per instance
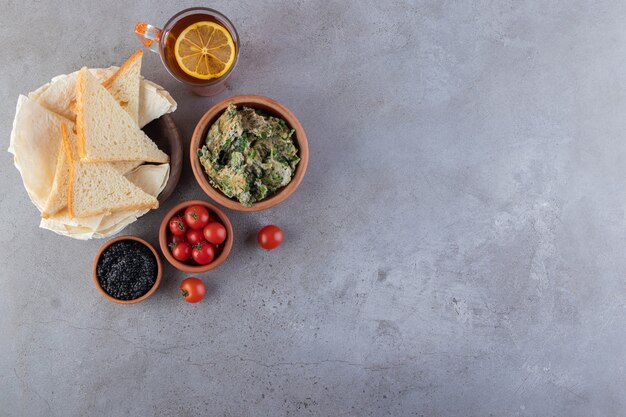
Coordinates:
249 153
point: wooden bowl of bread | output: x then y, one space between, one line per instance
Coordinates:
85 161
165 134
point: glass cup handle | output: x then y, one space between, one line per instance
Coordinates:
149 35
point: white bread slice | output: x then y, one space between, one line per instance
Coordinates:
56 96
57 199
154 100
124 167
150 178
124 85
95 189
105 131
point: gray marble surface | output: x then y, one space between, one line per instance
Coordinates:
457 247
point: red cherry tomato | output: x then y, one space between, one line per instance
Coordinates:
215 233
177 226
193 289
178 239
217 249
270 237
196 216
203 253
195 236
181 251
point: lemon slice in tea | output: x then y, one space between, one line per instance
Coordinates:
205 50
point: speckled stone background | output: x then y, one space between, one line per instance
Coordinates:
457 248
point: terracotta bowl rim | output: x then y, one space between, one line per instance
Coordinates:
156 282
195 269
279 110
171 131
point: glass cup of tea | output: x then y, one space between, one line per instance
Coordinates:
198 46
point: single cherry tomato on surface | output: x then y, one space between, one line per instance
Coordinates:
193 289
195 236
270 237
181 251
215 233
203 253
178 239
196 216
177 226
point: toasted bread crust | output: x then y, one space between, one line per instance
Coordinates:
81 132
80 115
100 160
131 207
137 55
50 208
67 148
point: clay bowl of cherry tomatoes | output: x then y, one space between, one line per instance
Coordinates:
195 236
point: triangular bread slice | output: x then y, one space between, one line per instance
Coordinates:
58 94
124 167
57 199
105 131
95 189
124 85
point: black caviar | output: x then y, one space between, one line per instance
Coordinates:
127 270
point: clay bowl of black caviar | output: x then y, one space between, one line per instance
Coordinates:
127 270
197 239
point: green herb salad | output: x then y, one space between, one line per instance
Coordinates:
249 155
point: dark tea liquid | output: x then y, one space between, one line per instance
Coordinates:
169 43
